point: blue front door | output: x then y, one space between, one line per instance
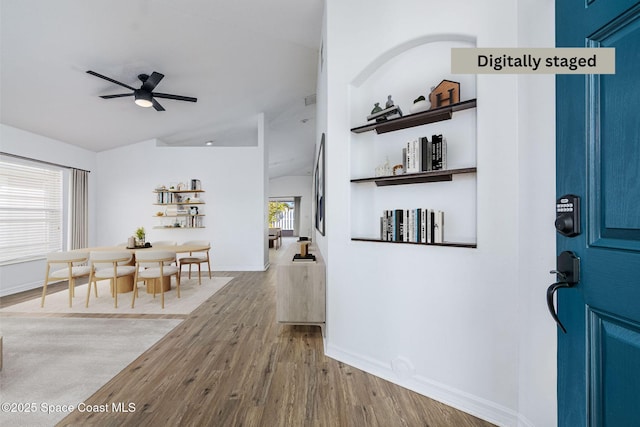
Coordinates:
598 159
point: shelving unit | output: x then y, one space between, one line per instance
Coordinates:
416 119
416 178
183 202
420 119
451 244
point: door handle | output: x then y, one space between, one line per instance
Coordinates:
568 275
550 291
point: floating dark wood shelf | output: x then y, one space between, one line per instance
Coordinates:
451 244
422 118
416 178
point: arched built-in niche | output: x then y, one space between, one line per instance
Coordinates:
406 72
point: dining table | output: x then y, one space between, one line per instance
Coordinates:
125 283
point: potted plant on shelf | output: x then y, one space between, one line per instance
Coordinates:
140 234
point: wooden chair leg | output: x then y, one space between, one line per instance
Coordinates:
44 288
91 279
115 291
71 291
135 288
161 291
199 276
178 284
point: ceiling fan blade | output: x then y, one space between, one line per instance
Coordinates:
93 73
157 105
176 97
152 81
119 95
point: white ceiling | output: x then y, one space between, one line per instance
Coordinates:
240 58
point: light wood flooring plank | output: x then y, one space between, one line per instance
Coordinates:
230 364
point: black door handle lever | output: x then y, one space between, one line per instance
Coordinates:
568 274
550 291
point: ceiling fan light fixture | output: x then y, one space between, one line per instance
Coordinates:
143 99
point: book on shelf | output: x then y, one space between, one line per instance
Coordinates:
398 221
438 229
164 197
425 154
438 153
417 225
422 155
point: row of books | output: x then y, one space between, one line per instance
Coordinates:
412 225
422 155
164 197
194 221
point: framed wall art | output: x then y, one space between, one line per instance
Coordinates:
320 196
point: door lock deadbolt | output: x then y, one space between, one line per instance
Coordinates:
568 215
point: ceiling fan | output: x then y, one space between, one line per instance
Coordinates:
144 96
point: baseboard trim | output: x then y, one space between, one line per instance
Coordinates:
466 402
23 287
239 268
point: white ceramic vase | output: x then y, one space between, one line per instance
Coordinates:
419 106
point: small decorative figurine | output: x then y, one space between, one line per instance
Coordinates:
389 102
381 115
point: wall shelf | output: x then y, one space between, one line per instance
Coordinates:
416 178
181 208
165 227
418 119
177 191
450 244
175 204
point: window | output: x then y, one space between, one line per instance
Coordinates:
30 210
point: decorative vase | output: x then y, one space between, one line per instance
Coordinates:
419 106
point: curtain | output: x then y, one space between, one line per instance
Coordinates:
79 218
296 217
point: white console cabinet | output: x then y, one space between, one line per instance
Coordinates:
301 289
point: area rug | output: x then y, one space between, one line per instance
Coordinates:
53 364
191 296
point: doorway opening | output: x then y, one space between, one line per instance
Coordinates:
284 213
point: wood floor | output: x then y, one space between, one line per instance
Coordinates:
230 364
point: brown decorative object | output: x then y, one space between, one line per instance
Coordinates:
304 249
446 93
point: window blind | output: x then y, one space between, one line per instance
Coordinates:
30 211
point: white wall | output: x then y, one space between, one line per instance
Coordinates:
28 275
290 186
453 324
536 160
233 180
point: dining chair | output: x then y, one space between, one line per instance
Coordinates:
161 269
73 269
158 244
112 265
196 257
